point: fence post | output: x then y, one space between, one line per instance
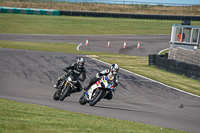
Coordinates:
182 7
132 4
106 3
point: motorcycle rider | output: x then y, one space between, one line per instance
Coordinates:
77 69
111 73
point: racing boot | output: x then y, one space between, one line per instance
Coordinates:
92 81
55 86
58 82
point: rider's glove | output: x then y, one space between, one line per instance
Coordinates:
97 75
65 70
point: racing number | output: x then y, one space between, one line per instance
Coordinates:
98 82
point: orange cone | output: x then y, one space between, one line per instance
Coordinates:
138 45
124 45
86 42
108 45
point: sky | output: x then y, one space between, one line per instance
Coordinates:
171 1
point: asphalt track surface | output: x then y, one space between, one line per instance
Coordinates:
28 76
149 44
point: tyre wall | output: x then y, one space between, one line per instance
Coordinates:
162 62
95 14
29 11
125 15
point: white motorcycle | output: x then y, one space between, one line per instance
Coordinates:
97 91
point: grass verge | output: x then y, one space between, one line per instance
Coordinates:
66 25
23 117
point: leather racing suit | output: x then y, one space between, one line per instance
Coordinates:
76 71
110 75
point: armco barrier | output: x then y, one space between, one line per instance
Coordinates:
29 11
182 68
125 15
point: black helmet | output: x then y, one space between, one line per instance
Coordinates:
80 62
114 69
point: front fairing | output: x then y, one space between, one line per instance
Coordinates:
103 83
70 79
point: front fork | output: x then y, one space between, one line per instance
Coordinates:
62 85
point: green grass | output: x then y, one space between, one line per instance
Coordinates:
66 25
22 118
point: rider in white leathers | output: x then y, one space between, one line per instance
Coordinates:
111 73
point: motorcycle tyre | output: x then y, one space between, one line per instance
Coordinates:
82 100
67 91
56 96
98 98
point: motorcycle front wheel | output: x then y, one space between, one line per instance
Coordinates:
96 97
56 95
82 99
66 91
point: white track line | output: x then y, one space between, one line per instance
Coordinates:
163 50
148 78
78 46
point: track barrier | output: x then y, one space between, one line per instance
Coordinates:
162 62
127 15
95 14
29 11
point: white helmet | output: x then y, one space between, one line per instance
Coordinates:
114 69
80 62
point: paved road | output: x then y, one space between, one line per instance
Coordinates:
149 44
28 76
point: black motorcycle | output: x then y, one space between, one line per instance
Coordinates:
65 87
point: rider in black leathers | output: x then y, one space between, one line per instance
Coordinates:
77 69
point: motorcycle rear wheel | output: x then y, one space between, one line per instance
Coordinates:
97 98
